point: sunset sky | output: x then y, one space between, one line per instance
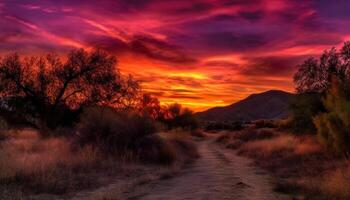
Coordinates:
200 53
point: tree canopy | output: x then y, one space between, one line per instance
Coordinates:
315 75
48 85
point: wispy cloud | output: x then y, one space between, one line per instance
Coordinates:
199 53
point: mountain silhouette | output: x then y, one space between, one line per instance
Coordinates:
272 104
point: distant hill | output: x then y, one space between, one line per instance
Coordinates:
271 104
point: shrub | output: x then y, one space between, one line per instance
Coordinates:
285 124
333 126
224 138
253 134
186 149
197 133
113 132
232 126
336 184
186 120
175 116
167 149
235 140
3 128
43 165
303 108
271 145
264 123
156 150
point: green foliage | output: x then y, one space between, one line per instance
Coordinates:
303 108
333 126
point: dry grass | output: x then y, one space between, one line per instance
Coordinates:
280 143
263 123
181 143
297 160
269 146
42 164
198 134
307 145
336 184
33 165
331 184
234 140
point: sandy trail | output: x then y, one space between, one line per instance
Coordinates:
217 174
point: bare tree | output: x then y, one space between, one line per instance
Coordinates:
150 106
49 85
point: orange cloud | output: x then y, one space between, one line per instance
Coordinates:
198 53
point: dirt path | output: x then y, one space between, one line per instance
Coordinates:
218 174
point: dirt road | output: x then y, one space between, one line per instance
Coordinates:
218 174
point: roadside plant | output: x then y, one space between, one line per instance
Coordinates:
333 126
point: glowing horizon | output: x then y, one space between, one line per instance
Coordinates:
198 53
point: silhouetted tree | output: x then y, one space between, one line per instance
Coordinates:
175 116
150 106
49 86
314 76
313 81
128 97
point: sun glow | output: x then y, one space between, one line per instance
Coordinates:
188 75
203 54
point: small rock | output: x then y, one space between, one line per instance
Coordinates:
241 184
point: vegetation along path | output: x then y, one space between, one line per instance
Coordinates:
217 174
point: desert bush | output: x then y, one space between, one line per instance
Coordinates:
113 132
3 128
264 123
333 126
186 149
307 145
155 149
268 146
197 133
224 138
303 108
175 116
235 140
251 134
168 148
289 156
232 126
336 184
313 80
268 141
186 120
284 124
41 165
